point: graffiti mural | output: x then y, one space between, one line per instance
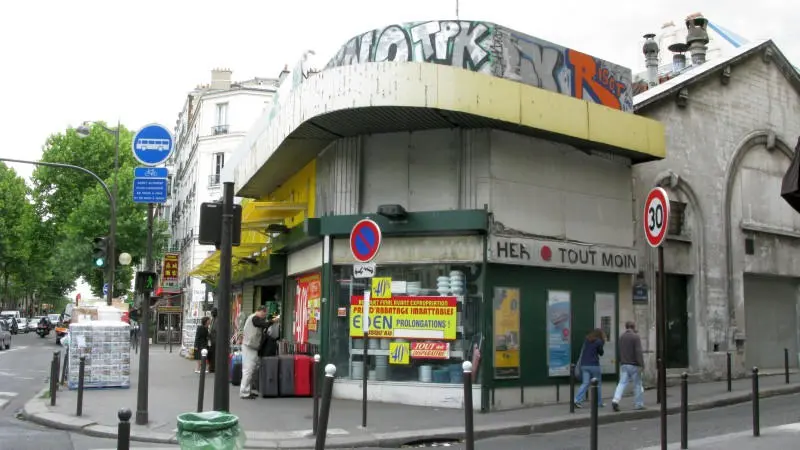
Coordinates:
494 50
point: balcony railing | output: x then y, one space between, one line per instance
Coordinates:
219 129
213 180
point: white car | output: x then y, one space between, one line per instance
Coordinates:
22 323
5 336
33 323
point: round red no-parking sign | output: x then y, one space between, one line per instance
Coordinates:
365 240
656 216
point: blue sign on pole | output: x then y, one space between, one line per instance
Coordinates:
105 289
152 144
149 190
150 172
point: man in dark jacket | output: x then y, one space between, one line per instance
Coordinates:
631 362
212 333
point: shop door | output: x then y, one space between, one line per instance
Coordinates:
770 320
605 318
677 342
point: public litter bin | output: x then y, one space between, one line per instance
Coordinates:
210 430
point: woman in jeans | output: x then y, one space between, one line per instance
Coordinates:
590 365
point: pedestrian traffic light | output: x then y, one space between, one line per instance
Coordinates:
100 251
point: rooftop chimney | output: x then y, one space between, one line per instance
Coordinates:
679 56
650 50
697 37
221 79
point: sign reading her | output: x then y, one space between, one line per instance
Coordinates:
406 317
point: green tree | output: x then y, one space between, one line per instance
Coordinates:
77 209
16 221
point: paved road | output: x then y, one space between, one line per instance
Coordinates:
24 369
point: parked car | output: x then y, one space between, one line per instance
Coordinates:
22 324
33 322
11 323
53 318
5 336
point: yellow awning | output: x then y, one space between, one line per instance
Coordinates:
255 211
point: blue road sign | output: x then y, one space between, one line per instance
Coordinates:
152 144
105 289
150 172
149 190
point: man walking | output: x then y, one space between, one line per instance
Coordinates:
253 332
631 364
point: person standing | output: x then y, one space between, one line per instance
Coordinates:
212 340
631 362
253 332
200 342
590 366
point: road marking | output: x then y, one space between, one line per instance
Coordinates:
4 403
8 394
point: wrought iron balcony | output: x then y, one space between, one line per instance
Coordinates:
213 180
220 129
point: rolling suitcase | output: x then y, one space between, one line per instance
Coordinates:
303 374
268 375
286 381
236 369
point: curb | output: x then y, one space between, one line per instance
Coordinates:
35 411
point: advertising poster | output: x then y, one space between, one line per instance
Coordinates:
307 296
406 317
559 330
169 273
506 332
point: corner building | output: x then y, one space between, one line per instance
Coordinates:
498 166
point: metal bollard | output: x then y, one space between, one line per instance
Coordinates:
756 412
64 367
202 385
124 429
57 357
53 380
786 363
81 373
315 394
572 388
327 393
684 410
728 366
593 421
469 427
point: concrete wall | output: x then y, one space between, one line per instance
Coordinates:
719 164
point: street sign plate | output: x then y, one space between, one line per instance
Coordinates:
105 289
149 190
152 144
150 172
365 240
364 270
656 216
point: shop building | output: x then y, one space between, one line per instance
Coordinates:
731 272
499 169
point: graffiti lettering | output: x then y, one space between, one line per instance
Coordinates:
494 50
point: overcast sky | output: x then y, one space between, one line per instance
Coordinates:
63 62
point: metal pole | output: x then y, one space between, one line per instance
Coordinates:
64 367
112 234
364 381
469 428
221 388
327 393
756 411
659 319
786 364
53 376
593 419
315 393
572 388
57 357
144 329
124 429
728 367
81 373
663 411
661 330
684 410
202 388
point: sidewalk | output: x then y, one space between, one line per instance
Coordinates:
286 422
784 436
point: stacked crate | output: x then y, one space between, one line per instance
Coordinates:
106 346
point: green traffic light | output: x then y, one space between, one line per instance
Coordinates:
99 262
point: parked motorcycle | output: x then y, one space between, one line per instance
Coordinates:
42 330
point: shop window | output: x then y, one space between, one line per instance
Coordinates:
436 337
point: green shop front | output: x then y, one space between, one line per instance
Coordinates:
519 318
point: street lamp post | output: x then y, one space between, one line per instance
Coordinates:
84 131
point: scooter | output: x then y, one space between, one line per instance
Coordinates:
42 330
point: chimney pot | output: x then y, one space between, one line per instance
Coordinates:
697 37
650 50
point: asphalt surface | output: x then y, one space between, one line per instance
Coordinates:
24 370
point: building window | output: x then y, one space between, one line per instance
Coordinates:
216 170
677 213
221 126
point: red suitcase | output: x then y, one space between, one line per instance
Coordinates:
303 368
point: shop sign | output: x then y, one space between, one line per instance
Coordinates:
406 317
169 273
381 287
169 309
640 293
563 255
506 332
430 350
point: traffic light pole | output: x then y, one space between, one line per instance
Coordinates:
144 329
221 389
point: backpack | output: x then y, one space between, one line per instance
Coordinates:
274 331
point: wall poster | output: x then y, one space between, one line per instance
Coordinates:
605 318
306 307
506 332
559 332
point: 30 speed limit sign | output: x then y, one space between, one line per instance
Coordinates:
656 215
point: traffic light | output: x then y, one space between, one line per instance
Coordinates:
100 251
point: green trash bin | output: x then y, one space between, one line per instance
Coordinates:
211 430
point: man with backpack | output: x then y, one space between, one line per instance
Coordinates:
253 334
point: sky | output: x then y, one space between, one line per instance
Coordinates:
65 62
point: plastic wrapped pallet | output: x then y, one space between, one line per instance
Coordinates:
106 346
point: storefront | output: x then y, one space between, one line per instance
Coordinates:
302 313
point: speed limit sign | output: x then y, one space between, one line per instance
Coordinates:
656 215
